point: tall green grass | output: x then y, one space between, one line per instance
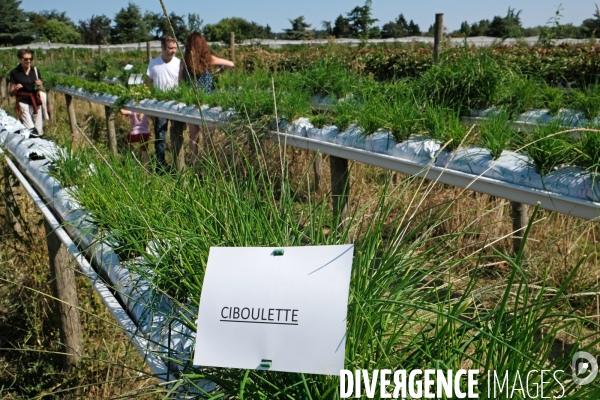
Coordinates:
416 300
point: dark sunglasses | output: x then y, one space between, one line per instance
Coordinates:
26 59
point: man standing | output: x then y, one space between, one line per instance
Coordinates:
163 72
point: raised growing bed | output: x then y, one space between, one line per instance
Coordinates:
149 318
569 190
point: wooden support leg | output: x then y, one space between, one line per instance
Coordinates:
340 189
64 286
3 89
176 133
6 85
73 121
111 133
50 105
520 219
318 169
10 200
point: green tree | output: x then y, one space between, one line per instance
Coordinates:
395 29
361 21
591 26
152 21
509 26
129 26
178 25
95 30
59 32
195 23
57 15
327 28
413 29
480 28
243 30
299 30
465 28
341 27
37 22
14 27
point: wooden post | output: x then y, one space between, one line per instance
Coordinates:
7 86
438 29
11 202
51 56
148 51
176 133
232 46
3 90
64 287
73 54
340 188
72 120
50 104
318 169
520 219
111 133
100 51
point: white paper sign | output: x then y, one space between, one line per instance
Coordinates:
288 309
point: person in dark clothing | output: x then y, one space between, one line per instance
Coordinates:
25 85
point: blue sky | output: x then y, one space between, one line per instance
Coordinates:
276 13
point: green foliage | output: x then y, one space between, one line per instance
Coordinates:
59 32
591 26
587 101
158 25
220 32
431 104
95 30
496 133
554 99
98 69
14 28
299 30
394 321
548 148
444 124
342 28
468 82
509 26
588 149
361 20
395 29
129 26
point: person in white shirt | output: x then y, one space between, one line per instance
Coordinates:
163 72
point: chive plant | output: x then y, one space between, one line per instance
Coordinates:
406 308
444 124
496 133
549 147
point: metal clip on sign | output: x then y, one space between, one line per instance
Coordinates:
277 252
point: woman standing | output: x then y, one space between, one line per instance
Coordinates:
196 70
25 85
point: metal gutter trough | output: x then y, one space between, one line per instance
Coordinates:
149 318
568 190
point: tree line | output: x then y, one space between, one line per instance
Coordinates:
131 25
